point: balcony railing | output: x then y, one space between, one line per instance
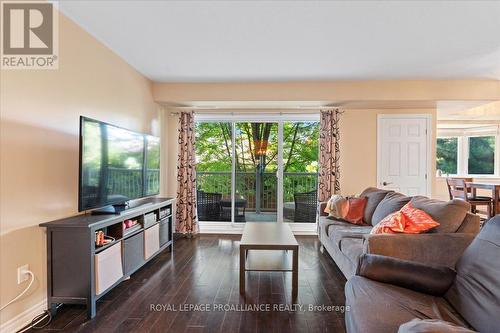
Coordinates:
293 182
127 182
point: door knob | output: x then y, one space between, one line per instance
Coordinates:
386 183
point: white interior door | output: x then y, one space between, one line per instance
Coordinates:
403 153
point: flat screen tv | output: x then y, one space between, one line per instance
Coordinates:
116 165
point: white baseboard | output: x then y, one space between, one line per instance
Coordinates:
305 233
24 318
220 228
237 228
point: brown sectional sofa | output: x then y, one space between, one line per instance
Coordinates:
346 242
394 295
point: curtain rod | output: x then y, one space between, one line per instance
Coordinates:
254 111
250 113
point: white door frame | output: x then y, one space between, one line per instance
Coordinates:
428 117
279 118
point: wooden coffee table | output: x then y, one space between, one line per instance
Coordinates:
266 246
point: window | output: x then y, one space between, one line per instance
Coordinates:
213 169
447 155
481 155
470 152
256 169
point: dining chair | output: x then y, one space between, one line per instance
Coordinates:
458 189
467 180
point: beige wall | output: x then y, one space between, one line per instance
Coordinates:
441 189
348 93
358 156
487 114
39 146
363 100
486 111
169 126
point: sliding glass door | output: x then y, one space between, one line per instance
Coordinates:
213 170
256 167
252 170
300 171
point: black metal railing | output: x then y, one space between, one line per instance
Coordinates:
293 182
127 182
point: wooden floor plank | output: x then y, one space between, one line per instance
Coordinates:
205 270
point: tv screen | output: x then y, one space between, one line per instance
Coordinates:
116 165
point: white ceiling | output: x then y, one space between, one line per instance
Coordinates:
199 41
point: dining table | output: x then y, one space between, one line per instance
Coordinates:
494 187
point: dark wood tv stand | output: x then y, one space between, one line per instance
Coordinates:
80 272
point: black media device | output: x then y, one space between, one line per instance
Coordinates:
116 165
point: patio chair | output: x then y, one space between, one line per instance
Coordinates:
208 206
306 205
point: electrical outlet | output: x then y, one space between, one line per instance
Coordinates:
22 274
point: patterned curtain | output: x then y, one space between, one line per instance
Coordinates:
186 177
329 154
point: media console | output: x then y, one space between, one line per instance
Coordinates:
80 272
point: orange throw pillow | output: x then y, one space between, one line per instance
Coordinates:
417 221
408 220
391 224
356 210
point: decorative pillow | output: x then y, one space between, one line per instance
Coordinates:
391 203
356 210
337 206
408 220
450 214
391 224
350 209
417 221
374 196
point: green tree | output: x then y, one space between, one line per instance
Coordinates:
256 151
482 155
446 155
256 146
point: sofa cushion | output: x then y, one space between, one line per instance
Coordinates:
337 232
377 307
408 220
391 203
326 222
471 224
450 214
352 248
431 326
374 196
476 291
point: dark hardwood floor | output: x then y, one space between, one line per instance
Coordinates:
204 270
